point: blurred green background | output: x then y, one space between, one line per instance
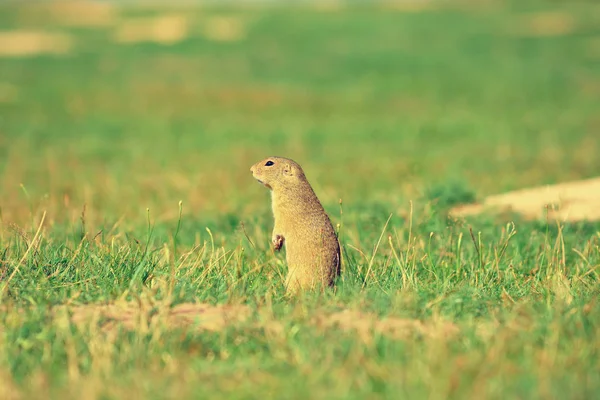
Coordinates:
124 108
112 113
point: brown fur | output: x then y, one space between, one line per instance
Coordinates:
312 248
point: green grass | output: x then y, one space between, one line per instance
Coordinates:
394 113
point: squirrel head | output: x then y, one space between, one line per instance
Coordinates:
277 172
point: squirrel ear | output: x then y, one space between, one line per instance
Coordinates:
288 170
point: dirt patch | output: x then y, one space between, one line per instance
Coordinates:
142 316
366 324
19 43
571 201
544 24
8 388
83 13
224 29
165 29
72 13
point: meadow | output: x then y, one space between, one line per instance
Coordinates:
134 242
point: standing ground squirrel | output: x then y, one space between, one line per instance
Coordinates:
311 245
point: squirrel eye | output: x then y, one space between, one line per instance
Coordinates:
269 163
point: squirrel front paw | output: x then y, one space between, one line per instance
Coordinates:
277 242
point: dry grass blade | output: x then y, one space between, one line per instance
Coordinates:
31 246
375 251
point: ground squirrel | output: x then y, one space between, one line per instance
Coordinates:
311 245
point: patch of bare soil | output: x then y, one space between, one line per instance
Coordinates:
570 201
143 316
8 388
366 324
544 24
140 316
165 29
82 13
19 43
224 29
